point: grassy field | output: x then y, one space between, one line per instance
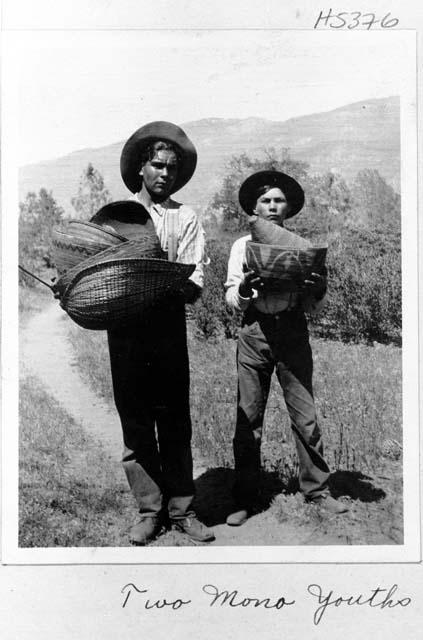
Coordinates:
65 497
66 500
357 390
358 399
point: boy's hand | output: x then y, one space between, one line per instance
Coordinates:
249 282
190 292
315 286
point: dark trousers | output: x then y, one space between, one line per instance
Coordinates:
150 374
277 343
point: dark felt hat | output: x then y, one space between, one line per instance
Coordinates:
292 191
130 160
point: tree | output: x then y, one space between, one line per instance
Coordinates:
375 201
92 193
364 301
327 207
38 215
360 224
212 317
225 202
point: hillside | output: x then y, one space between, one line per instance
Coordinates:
361 135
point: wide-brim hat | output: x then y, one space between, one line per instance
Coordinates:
130 160
129 219
291 189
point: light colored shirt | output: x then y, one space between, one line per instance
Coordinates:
264 302
191 238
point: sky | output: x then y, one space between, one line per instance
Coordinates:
89 89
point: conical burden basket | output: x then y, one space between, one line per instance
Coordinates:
285 268
117 286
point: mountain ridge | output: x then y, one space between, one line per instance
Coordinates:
364 134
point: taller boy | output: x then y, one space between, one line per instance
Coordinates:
149 362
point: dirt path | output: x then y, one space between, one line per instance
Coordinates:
47 354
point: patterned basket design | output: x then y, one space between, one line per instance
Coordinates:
284 268
117 286
79 240
266 232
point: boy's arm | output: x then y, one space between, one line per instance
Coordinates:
235 277
192 250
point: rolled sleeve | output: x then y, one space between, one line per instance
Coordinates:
192 244
235 275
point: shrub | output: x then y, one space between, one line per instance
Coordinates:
210 314
364 300
225 201
375 201
37 216
92 194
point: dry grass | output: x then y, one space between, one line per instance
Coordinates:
358 399
32 300
92 359
357 391
70 493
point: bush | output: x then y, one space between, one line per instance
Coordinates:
364 299
211 315
225 201
37 217
92 194
375 201
364 302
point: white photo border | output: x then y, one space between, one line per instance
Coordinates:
409 552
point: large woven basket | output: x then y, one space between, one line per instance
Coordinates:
117 287
78 240
285 268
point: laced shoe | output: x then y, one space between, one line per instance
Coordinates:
330 505
145 531
194 529
237 518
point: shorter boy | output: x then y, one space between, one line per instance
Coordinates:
274 337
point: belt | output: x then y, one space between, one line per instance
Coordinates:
252 314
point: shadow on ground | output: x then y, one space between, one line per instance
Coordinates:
214 499
356 485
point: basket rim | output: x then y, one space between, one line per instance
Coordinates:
284 248
185 269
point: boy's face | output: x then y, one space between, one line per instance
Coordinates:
159 174
273 206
